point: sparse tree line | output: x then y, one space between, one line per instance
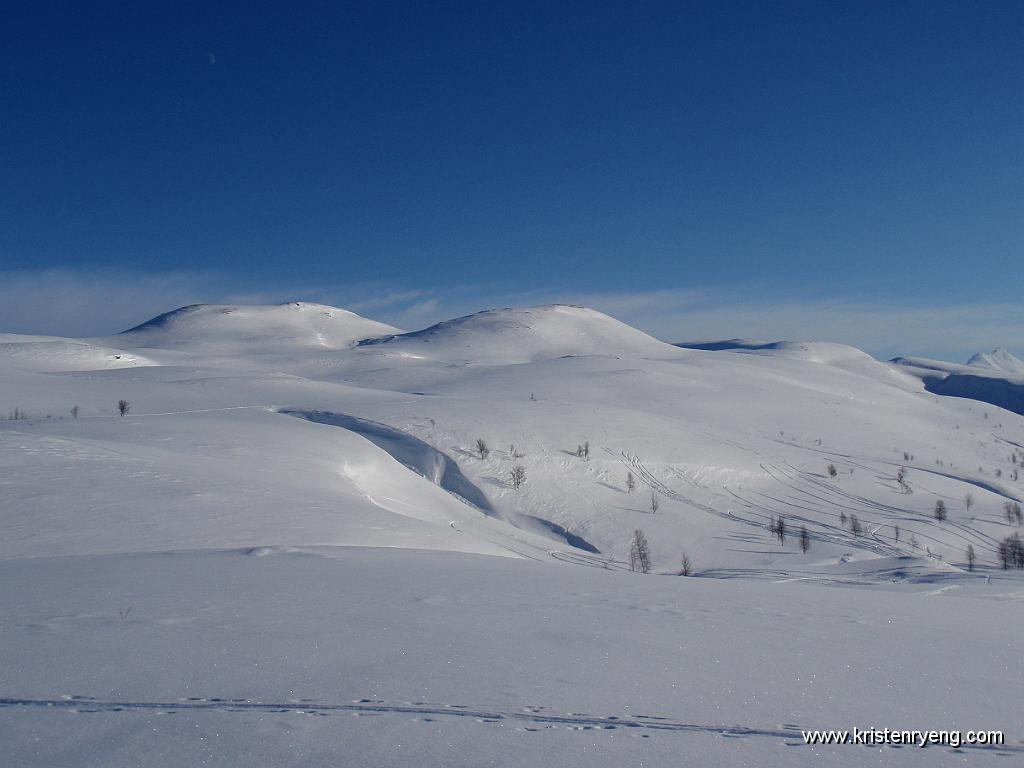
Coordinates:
517 475
640 556
1016 460
20 414
778 528
856 527
1010 551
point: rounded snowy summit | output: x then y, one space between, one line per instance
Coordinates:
506 336
241 328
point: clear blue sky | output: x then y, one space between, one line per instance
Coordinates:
763 152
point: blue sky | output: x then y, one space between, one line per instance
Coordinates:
698 169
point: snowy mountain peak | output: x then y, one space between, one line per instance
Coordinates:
499 336
294 324
998 360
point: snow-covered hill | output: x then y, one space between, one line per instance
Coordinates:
998 360
725 440
281 337
254 329
52 354
312 510
990 377
508 336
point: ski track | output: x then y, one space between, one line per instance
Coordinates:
528 715
815 495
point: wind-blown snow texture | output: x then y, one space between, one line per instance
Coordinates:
289 551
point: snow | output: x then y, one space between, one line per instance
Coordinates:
995 377
50 354
222 334
508 336
998 360
289 552
255 328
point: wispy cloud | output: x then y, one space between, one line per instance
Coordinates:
63 302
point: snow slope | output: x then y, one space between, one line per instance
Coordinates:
49 354
998 360
290 521
282 336
990 377
400 658
820 352
254 328
507 336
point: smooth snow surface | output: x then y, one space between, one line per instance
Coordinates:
255 328
504 336
290 550
51 354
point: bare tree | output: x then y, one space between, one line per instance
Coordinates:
639 553
517 476
685 566
123 406
481 448
970 557
896 532
832 471
1003 553
901 480
842 518
855 527
1011 552
1014 516
968 500
630 483
805 539
777 527
940 510
586 450
654 502
74 412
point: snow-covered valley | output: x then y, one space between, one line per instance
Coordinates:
313 539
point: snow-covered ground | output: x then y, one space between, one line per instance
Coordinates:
290 551
995 377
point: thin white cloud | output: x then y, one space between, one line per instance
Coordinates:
70 303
